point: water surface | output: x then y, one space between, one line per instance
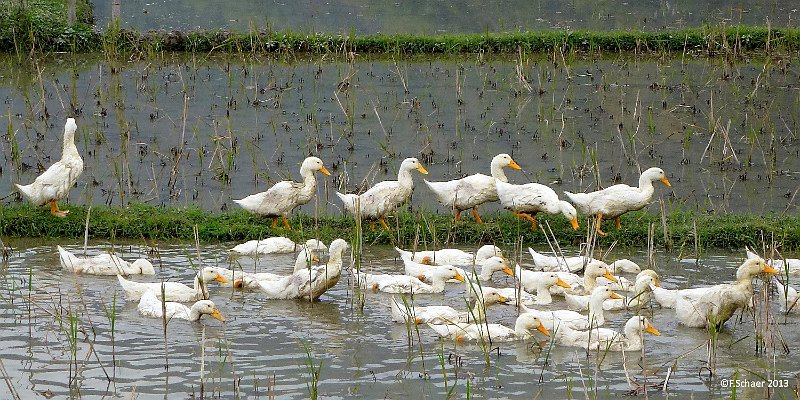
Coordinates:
261 349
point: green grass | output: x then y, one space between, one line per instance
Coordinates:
140 221
41 26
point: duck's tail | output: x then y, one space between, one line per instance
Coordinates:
349 201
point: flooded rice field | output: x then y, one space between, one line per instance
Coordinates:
74 335
435 16
206 130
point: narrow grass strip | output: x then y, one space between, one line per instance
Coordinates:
141 221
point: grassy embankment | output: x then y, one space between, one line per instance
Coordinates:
140 221
42 26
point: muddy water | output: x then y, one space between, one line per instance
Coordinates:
434 16
260 350
208 130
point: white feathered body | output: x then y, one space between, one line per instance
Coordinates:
103 264
55 183
465 193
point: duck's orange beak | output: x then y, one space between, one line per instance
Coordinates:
563 284
610 277
324 171
769 270
508 271
513 164
502 299
542 329
217 315
666 181
422 169
459 277
652 330
574 223
221 279
615 296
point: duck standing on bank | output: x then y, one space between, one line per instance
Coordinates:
385 196
54 184
285 196
473 190
616 200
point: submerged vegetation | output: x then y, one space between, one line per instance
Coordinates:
141 221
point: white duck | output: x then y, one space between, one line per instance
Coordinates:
788 297
641 296
404 311
174 291
103 264
453 256
512 295
529 199
54 184
616 200
579 284
151 306
308 283
602 339
786 265
384 197
473 190
551 319
524 328
595 304
408 284
553 263
303 261
285 196
718 303
274 245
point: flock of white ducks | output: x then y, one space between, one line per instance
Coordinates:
428 272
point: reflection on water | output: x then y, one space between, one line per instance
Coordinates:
437 16
260 350
721 131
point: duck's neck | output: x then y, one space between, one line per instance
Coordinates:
194 313
646 186
303 260
335 257
200 287
498 173
596 317
486 274
309 181
633 338
543 293
404 178
438 284
590 281
521 328
477 311
69 149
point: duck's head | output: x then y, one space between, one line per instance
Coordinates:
492 296
338 247
412 163
207 307
641 323
209 274
753 267
570 213
314 164
597 268
495 264
144 266
505 160
656 174
652 274
604 293
532 322
447 272
487 251
552 279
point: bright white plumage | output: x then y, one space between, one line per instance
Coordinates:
55 183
